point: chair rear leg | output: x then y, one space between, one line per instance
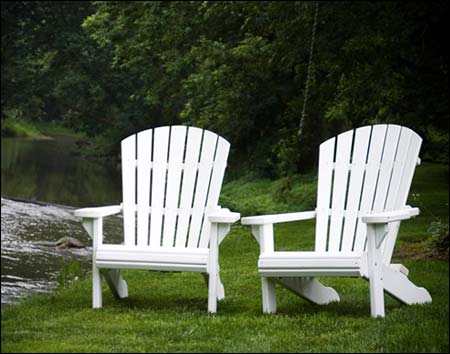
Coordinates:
116 283
310 289
269 296
399 286
220 290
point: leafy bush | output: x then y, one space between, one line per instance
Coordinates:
253 196
439 242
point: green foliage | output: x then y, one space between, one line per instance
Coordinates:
254 196
18 128
439 241
237 68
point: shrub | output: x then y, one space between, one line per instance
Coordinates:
439 242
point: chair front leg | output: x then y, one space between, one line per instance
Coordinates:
213 269
118 286
94 226
264 236
375 236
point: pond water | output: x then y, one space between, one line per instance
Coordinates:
52 171
47 171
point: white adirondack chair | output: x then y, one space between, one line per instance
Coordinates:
171 179
363 184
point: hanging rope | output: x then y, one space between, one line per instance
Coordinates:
308 73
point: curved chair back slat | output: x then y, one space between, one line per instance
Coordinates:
369 169
172 177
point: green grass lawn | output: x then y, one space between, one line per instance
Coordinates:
166 312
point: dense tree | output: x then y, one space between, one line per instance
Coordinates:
238 68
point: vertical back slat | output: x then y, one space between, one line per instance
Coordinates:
176 153
326 159
194 139
144 156
344 145
387 162
370 181
359 156
220 162
398 168
160 146
409 165
128 147
202 186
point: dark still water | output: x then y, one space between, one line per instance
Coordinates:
48 171
51 171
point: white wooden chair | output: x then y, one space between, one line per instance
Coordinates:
171 180
363 184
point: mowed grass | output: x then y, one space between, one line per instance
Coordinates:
166 312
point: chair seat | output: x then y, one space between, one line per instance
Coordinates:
169 258
311 264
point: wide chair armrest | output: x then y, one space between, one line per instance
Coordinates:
278 218
390 216
224 216
98 212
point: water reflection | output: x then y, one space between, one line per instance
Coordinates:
49 170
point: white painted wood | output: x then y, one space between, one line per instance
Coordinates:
144 158
264 236
278 218
269 295
399 268
129 188
98 212
397 172
370 181
220 160
97 232
308 260
121 253
387 162
160 149
310 289
360 148
375 235
213 270
406 179
390 216
96 287
220 291
380 167
222 216
326 160
166 183
399 286
118 286
159 266
188 183
344 145
176 153
202 185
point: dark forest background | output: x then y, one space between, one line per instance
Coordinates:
110 69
